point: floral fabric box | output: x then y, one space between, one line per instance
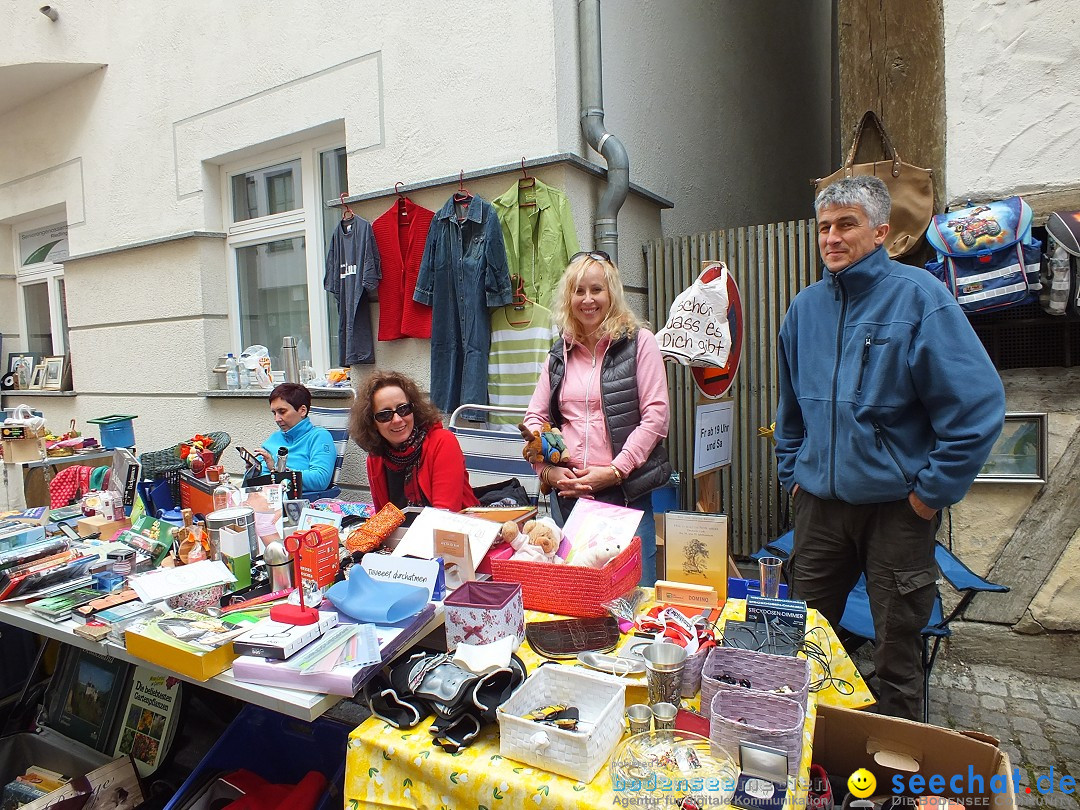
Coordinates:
483 612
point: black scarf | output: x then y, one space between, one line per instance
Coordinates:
406 457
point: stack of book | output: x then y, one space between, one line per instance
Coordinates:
31 785
60 607
33 570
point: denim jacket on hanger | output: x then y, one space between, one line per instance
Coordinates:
462 276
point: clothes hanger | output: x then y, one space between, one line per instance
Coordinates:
346 212
403 212
462 194
524 182
519 302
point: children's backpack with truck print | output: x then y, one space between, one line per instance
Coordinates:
986 255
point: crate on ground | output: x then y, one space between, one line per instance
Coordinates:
280 749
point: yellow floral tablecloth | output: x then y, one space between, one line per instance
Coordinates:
390 767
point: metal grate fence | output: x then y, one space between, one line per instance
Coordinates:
770 264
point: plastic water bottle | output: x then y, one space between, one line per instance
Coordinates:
232 375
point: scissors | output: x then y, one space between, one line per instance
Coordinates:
309 539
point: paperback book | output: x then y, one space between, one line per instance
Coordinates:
149 719
58 608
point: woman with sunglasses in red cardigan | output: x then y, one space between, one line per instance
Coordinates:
412 459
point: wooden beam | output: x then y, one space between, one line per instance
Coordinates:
1042 202
892 60
1037 543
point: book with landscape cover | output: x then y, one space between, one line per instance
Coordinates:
149 719
85 696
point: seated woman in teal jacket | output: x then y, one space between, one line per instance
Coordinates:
311 449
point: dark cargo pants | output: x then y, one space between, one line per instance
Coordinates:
835 542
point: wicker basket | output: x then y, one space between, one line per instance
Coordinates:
764 671
691 675
576 754
750 716
167 464
572 590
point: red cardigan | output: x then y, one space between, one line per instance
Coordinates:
401 241
442 476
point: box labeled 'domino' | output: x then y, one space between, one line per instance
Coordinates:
483 612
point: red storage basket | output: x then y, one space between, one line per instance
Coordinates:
572 590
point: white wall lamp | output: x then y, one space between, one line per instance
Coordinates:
50 12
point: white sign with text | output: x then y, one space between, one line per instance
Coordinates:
712 436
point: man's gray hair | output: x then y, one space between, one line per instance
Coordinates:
863 191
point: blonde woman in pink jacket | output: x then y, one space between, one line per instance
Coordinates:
604 386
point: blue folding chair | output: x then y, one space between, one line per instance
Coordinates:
857 623
336 420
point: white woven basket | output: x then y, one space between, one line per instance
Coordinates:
577 754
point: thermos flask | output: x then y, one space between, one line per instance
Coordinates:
291 359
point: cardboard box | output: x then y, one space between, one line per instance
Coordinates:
145 640
895 750
100 523
18 451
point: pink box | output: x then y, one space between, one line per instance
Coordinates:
483 612
499 551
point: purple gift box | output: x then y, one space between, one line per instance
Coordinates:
483 612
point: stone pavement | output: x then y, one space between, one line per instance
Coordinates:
1036 718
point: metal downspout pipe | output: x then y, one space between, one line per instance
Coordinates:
591 82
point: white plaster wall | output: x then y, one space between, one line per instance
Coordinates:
459 85
1013 114
723 106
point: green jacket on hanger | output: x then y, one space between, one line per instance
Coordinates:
540 238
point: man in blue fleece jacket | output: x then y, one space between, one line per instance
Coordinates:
888 408
311 448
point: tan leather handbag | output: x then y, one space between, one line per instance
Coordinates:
911 188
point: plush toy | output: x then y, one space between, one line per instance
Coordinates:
598 552
544 446
538 540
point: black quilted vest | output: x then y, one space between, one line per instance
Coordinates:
622 412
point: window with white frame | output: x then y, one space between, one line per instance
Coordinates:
40 249
278 237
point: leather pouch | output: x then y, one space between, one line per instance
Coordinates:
565 638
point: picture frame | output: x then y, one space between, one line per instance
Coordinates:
1019 456
54 373
22 365
37 380
86 695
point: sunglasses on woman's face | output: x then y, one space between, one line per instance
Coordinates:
595 255
402 410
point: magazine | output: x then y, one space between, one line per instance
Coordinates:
113 786
149 719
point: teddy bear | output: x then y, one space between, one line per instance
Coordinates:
543 446
598 552
538 540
